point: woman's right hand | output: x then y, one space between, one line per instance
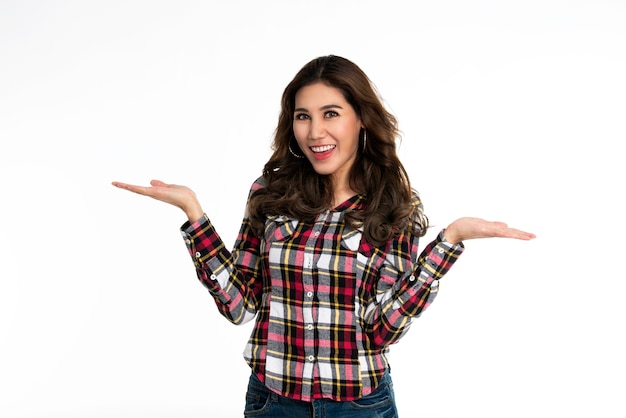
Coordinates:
180 196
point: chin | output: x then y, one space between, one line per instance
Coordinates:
322 171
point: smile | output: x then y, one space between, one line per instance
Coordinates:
323 148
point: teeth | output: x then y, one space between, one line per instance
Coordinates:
323 148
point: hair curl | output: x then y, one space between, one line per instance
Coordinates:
293 188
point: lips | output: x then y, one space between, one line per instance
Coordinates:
323 151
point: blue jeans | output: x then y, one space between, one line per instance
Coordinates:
261 402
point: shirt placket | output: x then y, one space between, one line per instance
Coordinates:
309 284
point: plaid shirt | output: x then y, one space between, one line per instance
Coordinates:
327 303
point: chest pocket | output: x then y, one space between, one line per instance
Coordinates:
279 231
279 228
351 239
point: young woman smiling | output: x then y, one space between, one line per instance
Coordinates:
326 262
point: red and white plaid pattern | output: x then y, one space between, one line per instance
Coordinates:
327 303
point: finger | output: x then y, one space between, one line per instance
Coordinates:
132 188
158 183
121 185
519 234
500 224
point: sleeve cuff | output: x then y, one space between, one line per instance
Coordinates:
201 240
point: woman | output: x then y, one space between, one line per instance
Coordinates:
326 260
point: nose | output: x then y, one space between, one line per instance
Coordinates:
317 129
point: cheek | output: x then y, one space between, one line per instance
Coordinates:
351 138
299 132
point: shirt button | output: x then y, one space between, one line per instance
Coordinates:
412 278
187 242
309 327
198 255
213 277
311 358
440 250
317 233
309 294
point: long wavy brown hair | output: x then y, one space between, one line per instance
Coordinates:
293 188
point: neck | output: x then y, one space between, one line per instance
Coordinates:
341 191
341 195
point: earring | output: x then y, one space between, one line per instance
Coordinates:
364 138
293 153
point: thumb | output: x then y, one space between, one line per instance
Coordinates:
158 183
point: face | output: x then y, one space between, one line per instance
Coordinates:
327 130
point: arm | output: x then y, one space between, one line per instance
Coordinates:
232 278
403 296
406 288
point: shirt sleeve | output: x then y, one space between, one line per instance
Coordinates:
234 279
407 285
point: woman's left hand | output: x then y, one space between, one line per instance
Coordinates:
467 228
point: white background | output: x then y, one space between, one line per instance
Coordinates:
511 111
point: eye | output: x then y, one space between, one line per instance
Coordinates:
331 114
301 116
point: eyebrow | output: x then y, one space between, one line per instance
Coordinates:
325 107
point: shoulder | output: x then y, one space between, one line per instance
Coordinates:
252 203
416 201
418 222
259 183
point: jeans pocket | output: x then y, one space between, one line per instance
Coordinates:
381 397
258 398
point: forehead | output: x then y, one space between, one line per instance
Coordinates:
319 94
